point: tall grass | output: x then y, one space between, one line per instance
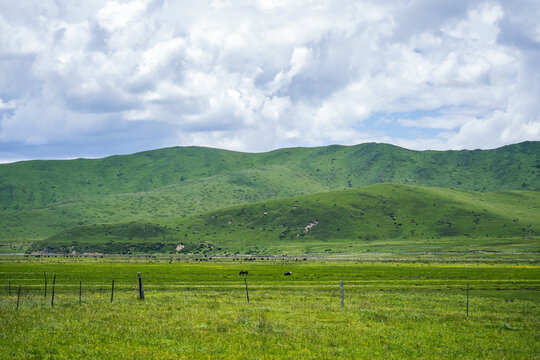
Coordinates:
199 311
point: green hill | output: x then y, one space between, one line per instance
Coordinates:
384 217
188 197
41 198
39 183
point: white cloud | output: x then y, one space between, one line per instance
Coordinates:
43 120
7 105
17 39
480 24
259 75
509 125
299 59
116 16
448 122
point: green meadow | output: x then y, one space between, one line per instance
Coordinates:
196 308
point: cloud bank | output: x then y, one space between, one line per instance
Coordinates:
95 78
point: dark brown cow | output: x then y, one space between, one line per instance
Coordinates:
243 272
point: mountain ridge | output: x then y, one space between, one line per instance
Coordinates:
360 165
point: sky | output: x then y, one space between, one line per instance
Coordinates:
82 78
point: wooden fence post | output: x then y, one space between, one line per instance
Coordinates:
112 291
53 283
18 296
141 290
45 275
247 292
341 292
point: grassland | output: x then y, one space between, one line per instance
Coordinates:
405 249
197 310
41 198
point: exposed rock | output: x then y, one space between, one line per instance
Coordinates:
310 225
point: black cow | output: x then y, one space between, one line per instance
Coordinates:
243 272
288 273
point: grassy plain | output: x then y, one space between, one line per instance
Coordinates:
198 310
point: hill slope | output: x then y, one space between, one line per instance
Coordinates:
378 217
34 184
40 198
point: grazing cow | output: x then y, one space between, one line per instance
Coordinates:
243 272
288 273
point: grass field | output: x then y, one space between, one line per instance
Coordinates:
198 310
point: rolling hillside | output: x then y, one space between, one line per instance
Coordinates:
34 184
384 217
41 198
